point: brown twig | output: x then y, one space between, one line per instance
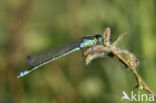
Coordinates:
141 83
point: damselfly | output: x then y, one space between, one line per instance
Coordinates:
39 59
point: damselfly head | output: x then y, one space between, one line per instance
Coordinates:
99 38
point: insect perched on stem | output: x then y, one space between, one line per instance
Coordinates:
98 46
39 59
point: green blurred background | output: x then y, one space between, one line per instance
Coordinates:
28 26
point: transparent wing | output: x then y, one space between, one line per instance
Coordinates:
52 54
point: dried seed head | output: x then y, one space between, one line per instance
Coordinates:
115 52
107 32
128 57
106 36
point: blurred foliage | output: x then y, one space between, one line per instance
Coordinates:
28 26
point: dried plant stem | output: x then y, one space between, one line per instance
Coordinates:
141 83
110 48
98 49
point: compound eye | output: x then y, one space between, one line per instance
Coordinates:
97 35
